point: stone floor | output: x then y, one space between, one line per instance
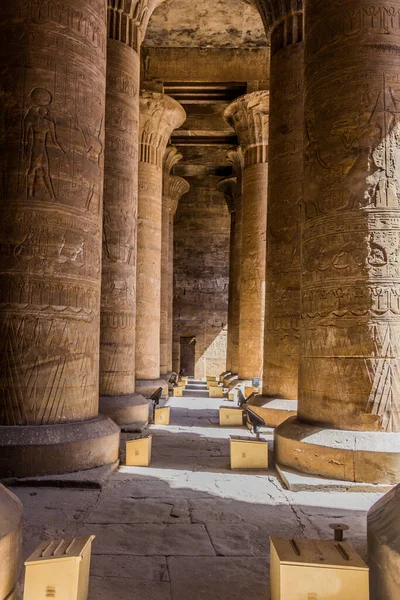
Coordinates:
187 528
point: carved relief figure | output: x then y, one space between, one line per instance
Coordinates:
39 130
91 134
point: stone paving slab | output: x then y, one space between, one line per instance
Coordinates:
239 578
142 510
150 540
116 588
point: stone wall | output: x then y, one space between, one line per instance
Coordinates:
201 269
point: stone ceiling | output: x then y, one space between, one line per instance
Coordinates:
205 24
205 53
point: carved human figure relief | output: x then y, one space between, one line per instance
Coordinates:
39 130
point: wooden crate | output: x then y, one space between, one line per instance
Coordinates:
247 453
138 452
320 569
162 415
230 417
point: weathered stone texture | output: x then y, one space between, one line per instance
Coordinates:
53 60
249 115
201 270
350 348
285 192
118 292
159 115
11 515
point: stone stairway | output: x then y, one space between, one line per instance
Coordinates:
196 389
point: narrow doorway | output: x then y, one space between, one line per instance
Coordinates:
188 354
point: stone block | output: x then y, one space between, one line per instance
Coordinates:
248 453
211 384
162 415
138 452
230 417
178 392
11 515
383 526
320 569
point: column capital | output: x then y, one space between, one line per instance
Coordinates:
249 116
235 156
229 188
159 116
283 20
127 20
171 157
177 187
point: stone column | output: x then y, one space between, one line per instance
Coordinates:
118 291
249 116
230 189
51 187
11 517
171 158
159 116
349 382
173 190
285 192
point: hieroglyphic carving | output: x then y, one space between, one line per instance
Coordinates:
350 365
173 189
50 236
249 115
285 192
159 116
118 292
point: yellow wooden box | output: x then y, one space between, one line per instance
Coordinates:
248 391
303 569
216 392
209 378
182 384
162 415
230 417
59 569
138 452
248 453
178 392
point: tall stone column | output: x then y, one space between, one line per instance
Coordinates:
230 189
349 402
249 116
173 189
118 291
171 158
51 188
159 116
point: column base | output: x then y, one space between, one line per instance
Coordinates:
361 456
274 411
11 516
147 386
129 409
32 450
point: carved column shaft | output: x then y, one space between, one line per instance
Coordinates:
174 188
285 191
249 116
51 188
118 310
171 157
349 404
159 116
229 188
350 359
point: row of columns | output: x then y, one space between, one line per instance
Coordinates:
81 280
331 277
